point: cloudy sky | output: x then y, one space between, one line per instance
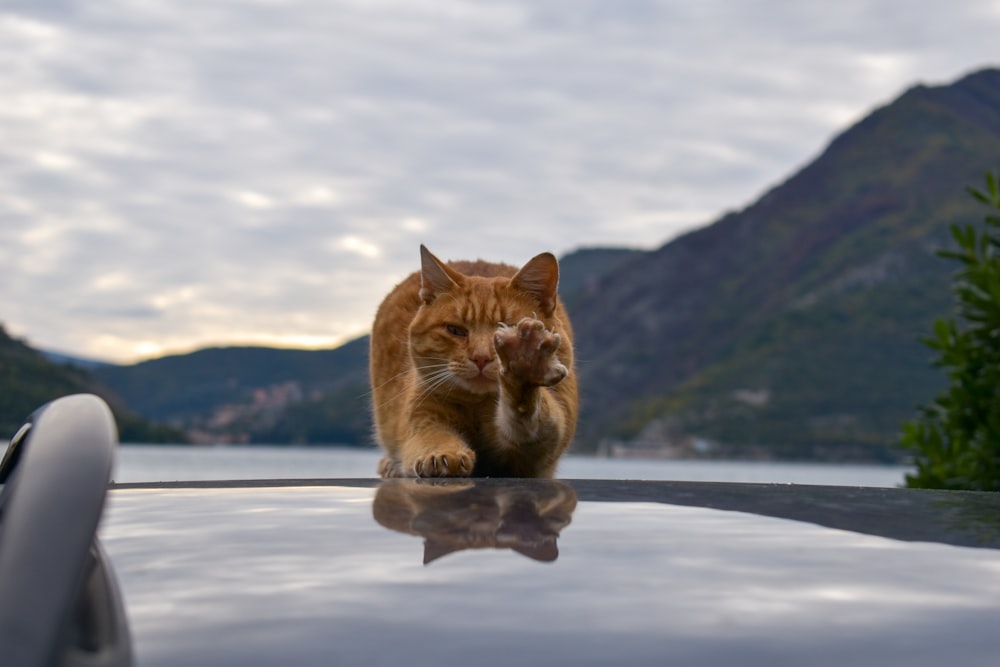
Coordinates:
179 173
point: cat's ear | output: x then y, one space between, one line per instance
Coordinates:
545 551
434 550
435 277
540 278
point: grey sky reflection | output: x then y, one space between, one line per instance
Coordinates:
307 572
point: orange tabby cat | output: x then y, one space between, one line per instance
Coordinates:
458 514
471 371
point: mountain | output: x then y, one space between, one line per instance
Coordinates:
791 328
29 379
249 394
581 270
72 360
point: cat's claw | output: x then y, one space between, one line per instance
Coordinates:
527 352
456 464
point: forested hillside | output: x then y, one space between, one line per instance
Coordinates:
28 380
791 328
254 394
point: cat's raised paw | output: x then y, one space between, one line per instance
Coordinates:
527 352
451 464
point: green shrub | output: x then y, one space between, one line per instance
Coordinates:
956 439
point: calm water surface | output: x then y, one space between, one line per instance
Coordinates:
147 463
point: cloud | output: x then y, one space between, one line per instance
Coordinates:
276 165
359 246
253 200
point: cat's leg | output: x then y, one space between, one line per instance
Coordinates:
531 422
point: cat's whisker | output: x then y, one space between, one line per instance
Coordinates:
427 383
405 372
402 392
431 384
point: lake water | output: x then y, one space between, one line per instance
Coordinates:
147 463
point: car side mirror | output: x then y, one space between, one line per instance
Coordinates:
59 602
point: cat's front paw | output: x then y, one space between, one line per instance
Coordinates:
527 352
456 463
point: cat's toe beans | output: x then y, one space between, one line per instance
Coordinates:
553 375
550 343
528 327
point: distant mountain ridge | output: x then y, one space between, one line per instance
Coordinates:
581 270
788 329
243 394
73 360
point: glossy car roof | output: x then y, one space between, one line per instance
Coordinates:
495 572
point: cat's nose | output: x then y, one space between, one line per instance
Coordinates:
481 360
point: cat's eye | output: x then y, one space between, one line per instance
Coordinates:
456 330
